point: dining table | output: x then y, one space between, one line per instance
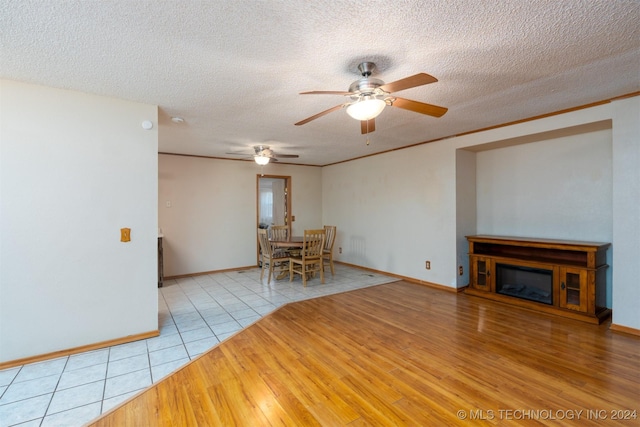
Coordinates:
291 242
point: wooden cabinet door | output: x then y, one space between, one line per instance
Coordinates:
573 289
481 273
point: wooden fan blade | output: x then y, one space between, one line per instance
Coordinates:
308 119
409 82
244 156
367 126
419 107
326 92
286 156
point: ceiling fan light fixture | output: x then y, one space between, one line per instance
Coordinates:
366 108
261 160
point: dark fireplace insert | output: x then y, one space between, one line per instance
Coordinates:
534 284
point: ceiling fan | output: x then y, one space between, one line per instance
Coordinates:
264 154
369 96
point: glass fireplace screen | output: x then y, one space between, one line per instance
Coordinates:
528 283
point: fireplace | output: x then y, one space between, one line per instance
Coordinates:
534 284
563 277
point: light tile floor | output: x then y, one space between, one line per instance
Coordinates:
195 314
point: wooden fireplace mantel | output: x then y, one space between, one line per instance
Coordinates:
578 271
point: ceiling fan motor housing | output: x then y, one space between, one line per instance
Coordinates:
263 151
365 85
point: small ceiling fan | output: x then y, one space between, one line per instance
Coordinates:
369 96
264 154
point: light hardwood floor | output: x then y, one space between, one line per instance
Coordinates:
401 354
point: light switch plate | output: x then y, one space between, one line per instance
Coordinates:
125 234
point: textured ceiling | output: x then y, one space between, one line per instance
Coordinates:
234 69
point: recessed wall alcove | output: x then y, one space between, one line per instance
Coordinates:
551 185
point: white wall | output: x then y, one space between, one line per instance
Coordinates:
396 211
211 223
626 212
75 168
466 210
559 188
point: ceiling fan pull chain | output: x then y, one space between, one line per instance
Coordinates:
367 132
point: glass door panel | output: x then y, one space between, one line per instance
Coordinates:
573 288
482 273
573 293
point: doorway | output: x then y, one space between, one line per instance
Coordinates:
273 201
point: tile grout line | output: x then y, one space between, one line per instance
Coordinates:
53 393
199 314
106 377
177 330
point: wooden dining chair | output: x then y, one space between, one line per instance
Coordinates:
327 252
310 259
269 257
279 232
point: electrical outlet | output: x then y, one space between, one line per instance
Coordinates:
460 271
427 265
339 250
